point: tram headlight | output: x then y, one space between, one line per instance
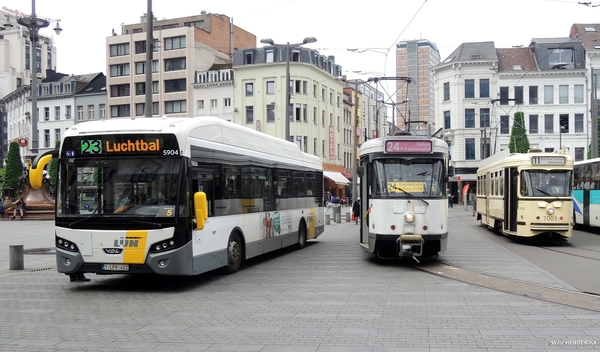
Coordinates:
550 210
409 217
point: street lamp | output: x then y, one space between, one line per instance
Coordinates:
560 132
288 46
34 24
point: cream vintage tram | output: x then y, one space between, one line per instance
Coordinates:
526 194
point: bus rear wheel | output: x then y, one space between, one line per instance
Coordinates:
234 254
301 236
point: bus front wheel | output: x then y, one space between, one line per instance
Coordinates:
234 254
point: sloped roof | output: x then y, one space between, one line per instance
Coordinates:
589 34
478 51
516 59
97 85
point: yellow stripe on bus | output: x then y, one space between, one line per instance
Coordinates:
135 250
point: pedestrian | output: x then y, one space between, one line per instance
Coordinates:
474 204
19 206
450 200
356 210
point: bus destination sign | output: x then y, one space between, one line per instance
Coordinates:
121 145
548 160
395 146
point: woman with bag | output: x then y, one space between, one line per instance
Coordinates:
356 210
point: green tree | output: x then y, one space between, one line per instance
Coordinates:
589 153
53 169
14 167
519 143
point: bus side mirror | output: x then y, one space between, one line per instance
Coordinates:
450 171
200 209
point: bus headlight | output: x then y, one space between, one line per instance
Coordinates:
409 217
550 210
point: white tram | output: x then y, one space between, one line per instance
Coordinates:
403 191
526 194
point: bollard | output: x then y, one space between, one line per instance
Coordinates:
327 219
347 217
15 257
338 218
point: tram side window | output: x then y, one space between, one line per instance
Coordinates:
501 183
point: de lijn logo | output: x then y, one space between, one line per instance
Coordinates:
91 146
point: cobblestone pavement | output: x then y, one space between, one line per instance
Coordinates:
329 296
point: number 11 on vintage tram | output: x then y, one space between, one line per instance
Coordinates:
403 191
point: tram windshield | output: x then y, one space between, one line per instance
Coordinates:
116 188
544 183
404 178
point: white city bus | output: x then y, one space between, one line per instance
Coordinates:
403 189
586 192
178 196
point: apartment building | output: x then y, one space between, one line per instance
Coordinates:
182 47
415 95
480 88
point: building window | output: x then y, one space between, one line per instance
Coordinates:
249 89
175 106
197 24
102 110
518 95
119 90
563 120
548 94
79 112
270 113
469 118
484 117
175 64
226 102
305 113
47 114
119 49
68 112
549 123
140 67
57 112
533 95
561 58
175 43
563 94
446 91
90 112
270 87
139 109
469 88
503 95
533 124
298 112
447 120
579 153
484 88
120 110
270 55
46 138
175 85
57 134
578 123
504 124
249 114
119 70
213 103
469 148
140 46
200 104
578 93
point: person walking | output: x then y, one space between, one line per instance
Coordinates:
474 204
356 210
450 200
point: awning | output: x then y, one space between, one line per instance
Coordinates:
336 177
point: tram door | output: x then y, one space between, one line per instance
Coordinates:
511 200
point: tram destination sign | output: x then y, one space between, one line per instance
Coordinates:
405 146
548 160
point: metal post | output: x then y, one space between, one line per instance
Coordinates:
287 92
355 149
149 52
15 257
34 114
594 134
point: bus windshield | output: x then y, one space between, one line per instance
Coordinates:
116 188
544 183
402 178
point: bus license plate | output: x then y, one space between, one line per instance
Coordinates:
115 267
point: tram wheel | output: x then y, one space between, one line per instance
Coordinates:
234 254
301 236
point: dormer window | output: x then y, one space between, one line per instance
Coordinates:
517 68
590 29
476 56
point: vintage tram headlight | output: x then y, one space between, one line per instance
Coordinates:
550 210
409 217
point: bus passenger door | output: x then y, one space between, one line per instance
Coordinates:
511 199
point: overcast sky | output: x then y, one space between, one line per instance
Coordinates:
338 26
